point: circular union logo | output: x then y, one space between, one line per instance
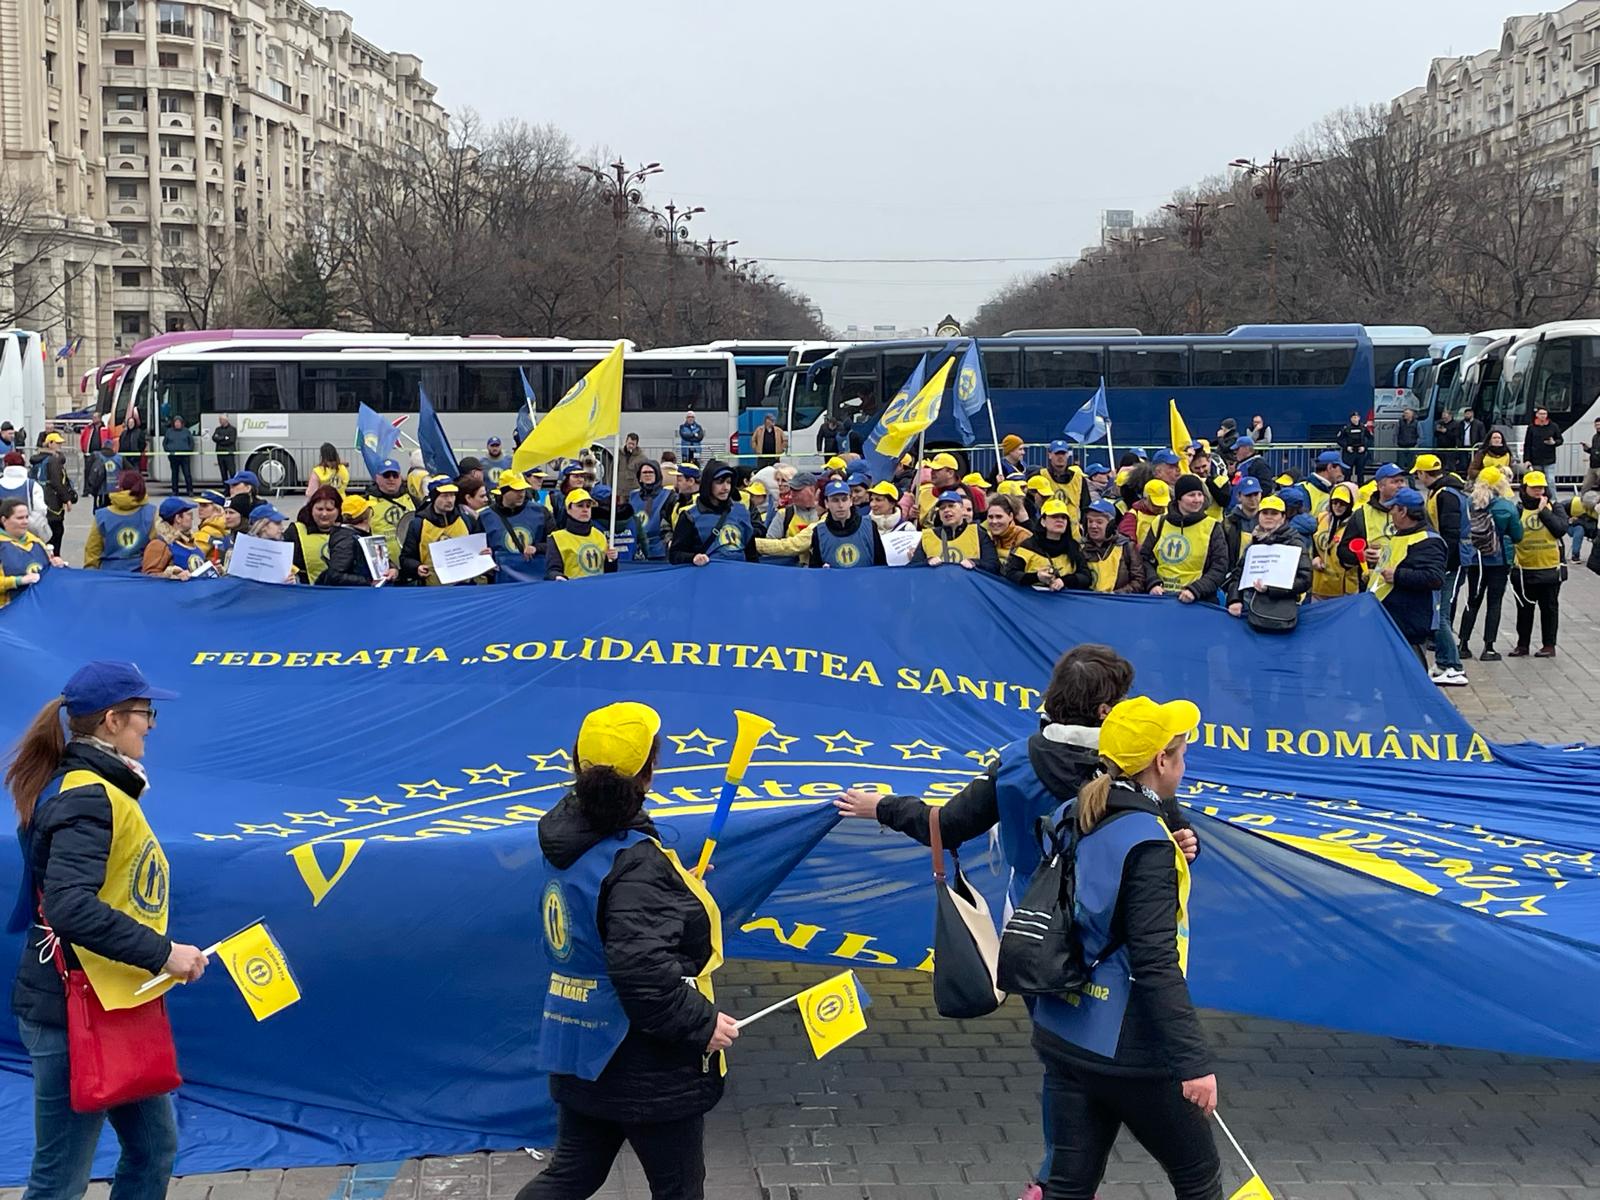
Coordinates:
967 384
846 555
370 441
1174 548
731 536
830 1008
127 537
951 555
557 925
590 559
147 885
259 971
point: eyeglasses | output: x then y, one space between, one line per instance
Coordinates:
149 714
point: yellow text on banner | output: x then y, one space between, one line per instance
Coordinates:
901 424
256 962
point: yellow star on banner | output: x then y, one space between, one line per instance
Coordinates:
560 760
495 775
919 749
432 789
219 837
843 743
268 830
697 743
371 804
317 818
983 757
1510 906
778 743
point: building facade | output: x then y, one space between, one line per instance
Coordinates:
181 142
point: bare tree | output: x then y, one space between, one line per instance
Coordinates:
207 278
31 240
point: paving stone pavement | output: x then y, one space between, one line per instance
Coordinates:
919 1108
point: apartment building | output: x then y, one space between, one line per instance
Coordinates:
185 138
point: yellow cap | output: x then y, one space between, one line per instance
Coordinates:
1491 477
885 488
53 439
1158 493
1427 462
1138 729
973 479
354 507
1122 475
1535 479
1345 492
618 736
755 488
1272 504
1011 487
1284 480
579 496
510 481
945 462
834 464
1042 485
1055 508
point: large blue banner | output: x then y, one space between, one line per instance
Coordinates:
366 769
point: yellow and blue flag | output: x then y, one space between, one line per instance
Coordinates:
908 414
590 412
1253 1189
1181 440
259 969
972 392
833 1012
436 453
1092 422
376 439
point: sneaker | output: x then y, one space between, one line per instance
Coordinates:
1466 650
1490 654
1438 673
1454 677
1545 652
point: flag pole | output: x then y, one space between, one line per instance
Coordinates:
616 473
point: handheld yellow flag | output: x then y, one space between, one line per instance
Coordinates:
590 412
1180 432
906 416
1253 1189
259 969
832 1012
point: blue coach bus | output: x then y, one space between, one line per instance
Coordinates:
1305 379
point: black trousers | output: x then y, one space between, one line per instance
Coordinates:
225 464
1484 583
672 1153
1087 1109
58 530
1540 591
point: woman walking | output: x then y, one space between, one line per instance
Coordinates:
94 889
634 1052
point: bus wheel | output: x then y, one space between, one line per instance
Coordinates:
275 468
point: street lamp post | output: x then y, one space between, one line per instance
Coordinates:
671 225
1194 220
713 253
622 192
1274 185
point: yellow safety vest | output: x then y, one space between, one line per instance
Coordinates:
1378 526
1501 462
581 555
1395 548
951 550
338 478
1143 523
136 885
1033 561
1319 494
1069 493
387 513
1107 569
1334 579
417 485
314 549
432 533
1180 551
1539 549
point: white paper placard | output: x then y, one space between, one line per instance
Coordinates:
1272 565
899 545
261 559
460 558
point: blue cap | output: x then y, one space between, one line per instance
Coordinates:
101 684
492 442
950 498
1097 468
572 468
1408 497
1105 507
1060 446
1244 442
601 492
689 470
720 471
1295 494
858 478
173 505
1388 471
265 512
1165 458
836 487
244 477
389 467
1139 454
1248 486
1329 458
212 496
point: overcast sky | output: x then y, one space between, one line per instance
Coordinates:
892 129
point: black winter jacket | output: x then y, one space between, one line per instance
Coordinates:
67 846
1284 535
655 935
58 492
347 563
1539 446
1417 581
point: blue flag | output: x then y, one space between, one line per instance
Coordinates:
879 463
1091 422
972 392
525 413
436 453
376 439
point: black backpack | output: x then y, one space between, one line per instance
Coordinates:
1041 947
1483 533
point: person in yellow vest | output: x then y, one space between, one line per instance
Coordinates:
1186 553
92 897
435 520
943 472
1320 483
1153 502
634 1052
330 471
1264 602
1536 573
954 539
1113 558
1410 570
1330 577
389 502
1067 482
1495 452
577 550
310 530
1370 525
1051 559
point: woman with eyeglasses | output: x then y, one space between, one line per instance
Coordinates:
94 890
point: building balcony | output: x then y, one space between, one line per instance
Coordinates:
124 119
183 79
177 166
122 75
211 126
214 170
124 27
52 29
127 210
183 30
127 164
135 298
179 122
179 211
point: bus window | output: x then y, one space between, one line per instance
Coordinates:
1046 368
341 387
897 369
273 389
1002 367
1386 358
1226 366
180 389
1314 366
1511 398
858 383
810 400
650 390
1553 379
1156 367
490 389
400 388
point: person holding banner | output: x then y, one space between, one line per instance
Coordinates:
844 539
1186 551
172 552
716 525
1051 559
630 1035
576 549
121 529
94 895
389 504
952 538
516 529
1272 529
436 519
348 565
311 529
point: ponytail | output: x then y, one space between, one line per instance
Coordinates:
1092 798
37 756
609 799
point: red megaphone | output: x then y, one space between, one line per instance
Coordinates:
1358 546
